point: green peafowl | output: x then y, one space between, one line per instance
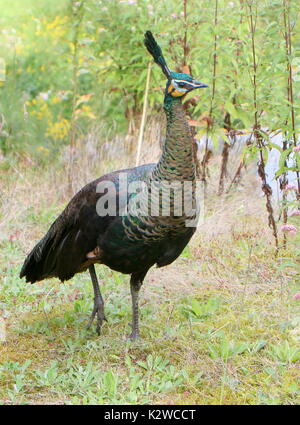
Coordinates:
126 240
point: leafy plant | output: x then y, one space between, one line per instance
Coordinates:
200 311
153 363
48 377
226 349
284 352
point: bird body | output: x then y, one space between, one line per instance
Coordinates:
124 243
127 241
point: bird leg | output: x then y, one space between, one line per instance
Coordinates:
136 282
98 302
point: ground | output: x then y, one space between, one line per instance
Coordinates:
219 326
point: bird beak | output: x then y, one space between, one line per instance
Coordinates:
198 85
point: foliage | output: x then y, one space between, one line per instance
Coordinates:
112 63
230 329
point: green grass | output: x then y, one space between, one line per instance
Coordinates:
220 328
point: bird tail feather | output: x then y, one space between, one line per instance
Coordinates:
58 254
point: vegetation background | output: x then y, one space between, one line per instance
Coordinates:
72 90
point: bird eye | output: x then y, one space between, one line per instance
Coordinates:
181 85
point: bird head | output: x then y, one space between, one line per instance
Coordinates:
178 84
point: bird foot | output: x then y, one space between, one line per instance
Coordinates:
99 311
135 334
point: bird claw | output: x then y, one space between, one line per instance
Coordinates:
134 336
99 311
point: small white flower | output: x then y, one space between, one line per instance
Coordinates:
44 95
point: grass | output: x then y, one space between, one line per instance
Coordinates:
219 326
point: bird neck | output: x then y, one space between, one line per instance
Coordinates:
177 159
176 165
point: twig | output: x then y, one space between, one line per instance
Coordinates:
185 45
225 155
227 119
283 180
237 177
206 155
141 133
257 133
77 15
290 88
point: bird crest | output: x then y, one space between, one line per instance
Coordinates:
178 84
154 50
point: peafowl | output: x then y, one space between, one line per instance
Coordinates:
126 240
